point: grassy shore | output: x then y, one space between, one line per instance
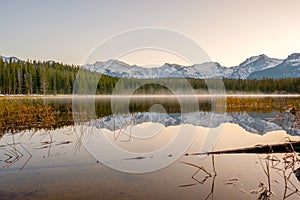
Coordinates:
18 115
242 95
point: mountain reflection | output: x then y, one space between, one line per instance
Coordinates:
256 115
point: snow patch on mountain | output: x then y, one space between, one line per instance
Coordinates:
203 70
293 59
289 68
121 69
9 59
254 64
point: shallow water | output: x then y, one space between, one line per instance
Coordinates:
68 163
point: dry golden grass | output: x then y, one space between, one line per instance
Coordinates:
16 115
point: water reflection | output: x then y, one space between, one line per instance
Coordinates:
207 175
259 123
14 153
257 115
48 153
54 165
276 175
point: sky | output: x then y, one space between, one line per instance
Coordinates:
228 31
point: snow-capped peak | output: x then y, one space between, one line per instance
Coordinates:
253 59
254 64
118 68
261 58
294 56
293 59
10 59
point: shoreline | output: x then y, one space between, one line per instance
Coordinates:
142 96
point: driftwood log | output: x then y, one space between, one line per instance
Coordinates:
288 147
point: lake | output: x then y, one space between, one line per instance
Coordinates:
148 148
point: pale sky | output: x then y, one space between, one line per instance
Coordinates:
229 31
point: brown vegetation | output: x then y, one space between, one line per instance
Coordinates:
18 115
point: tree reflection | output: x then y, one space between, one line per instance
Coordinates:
28 114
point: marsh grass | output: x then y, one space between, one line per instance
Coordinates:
16 116
259 104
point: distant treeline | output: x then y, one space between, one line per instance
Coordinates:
35 77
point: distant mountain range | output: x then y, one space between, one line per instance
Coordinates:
258 67
255 67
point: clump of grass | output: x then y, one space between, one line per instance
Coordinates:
259 104
16 115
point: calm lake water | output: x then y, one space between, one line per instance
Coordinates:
87 149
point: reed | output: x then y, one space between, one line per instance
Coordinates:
259 104
16 115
